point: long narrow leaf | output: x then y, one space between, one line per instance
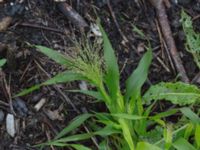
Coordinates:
128 116
126 133
168 136
74 138
197 135
191 115
74 124
56 56
27 91
188 131
112 70
106 131
182 144
79 147
63 77
94 94
146 146
164 114
138 77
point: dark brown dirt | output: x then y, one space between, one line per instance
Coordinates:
26 67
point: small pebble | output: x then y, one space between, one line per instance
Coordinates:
95 30
10 125
20 106
83 85
1 116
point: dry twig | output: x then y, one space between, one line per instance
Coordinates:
6 90
72 15
167 33
116 23
37 26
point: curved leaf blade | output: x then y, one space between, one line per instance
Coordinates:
63 77
197 136
76 122
28 90
74 138
191 115
128 116
112 69
79 147
138 77
182 144
66 76
54 55
164 114
94 94
146 146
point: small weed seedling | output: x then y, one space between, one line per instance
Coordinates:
192 38
128 124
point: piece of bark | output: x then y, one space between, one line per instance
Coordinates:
167 33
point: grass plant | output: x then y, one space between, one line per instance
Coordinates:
129 123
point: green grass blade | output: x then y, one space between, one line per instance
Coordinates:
139 32
138 77
112 70
128 116
188 131
104 145
64 77
54 55
182 144
197 136
168 136
27 91
74 138
106 131
94 94
2 62
177 93
54 143
191 115
79 147
164 114
75 123
146 146
126 133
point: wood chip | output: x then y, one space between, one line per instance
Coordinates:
4 23
54 115
39 105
